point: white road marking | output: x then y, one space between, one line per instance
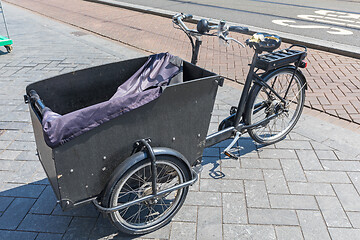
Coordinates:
286 23
332 20
336 31
325 16
338 14
339 31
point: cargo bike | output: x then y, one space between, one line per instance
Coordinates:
136 162
5 41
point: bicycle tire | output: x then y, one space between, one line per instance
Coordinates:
266 104
146 221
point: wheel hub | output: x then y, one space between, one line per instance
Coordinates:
275 107
146 192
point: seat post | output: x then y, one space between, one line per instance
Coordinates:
245 91
195 52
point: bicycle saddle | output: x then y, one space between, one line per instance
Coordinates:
264 42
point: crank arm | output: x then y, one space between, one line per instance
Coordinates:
226 151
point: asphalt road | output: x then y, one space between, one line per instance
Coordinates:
336 21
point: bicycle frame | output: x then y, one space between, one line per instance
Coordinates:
234 124
237 125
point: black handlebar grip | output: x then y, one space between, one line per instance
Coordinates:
186 16
33 95
238 29
35 98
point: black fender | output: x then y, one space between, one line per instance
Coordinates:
136 158
269 73
289 67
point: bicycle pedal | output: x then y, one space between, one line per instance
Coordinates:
198 168
230 155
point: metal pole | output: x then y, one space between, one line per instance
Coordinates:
153 165
142 199
195 52
2 11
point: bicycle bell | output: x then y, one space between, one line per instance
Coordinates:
203 26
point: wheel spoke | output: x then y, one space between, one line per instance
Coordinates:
138 218
129 219
150 212
162 169
124 211
286 119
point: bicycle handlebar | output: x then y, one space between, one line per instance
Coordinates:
36 100
221 27
186 16
238 29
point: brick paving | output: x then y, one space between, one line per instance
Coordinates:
334 80
304 187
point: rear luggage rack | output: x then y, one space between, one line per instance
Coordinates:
280 58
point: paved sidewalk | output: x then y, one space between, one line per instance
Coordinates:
305 187
334 80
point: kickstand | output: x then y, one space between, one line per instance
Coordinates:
226 151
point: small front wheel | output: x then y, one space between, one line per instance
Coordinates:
263 103
150 215
9 48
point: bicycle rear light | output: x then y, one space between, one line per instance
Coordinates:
303 64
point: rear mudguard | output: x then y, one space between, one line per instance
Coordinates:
290 67
136 158
268 74
229 120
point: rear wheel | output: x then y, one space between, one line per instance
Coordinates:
263 103
152 214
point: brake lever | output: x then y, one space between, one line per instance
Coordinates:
223 38
235 40
227 39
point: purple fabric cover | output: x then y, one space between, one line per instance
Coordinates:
144 86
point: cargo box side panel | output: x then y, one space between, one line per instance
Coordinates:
178 119
72 91
192 72
44 153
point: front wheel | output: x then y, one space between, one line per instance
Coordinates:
263 103
150 215
9 48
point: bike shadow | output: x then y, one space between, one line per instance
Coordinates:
3 53
214 158
33 208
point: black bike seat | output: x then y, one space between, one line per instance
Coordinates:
264 42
